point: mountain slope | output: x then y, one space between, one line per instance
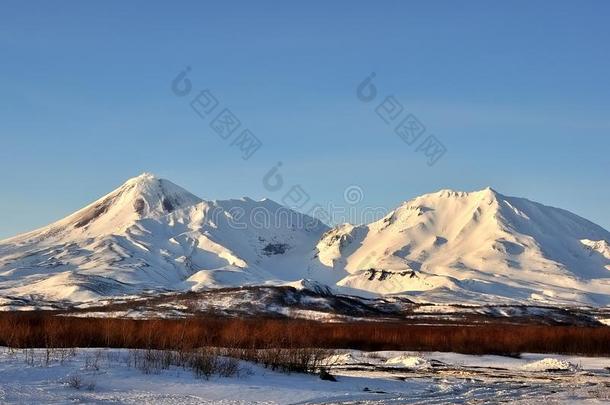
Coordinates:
472 247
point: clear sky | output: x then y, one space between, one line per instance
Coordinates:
518 92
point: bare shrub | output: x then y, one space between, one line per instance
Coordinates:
374 356
75 381
93 362
28 355
49 331
227 367
298 360
326 376
151 361
203 363
66 353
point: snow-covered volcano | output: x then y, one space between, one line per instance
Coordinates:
473 247
150 234
450 247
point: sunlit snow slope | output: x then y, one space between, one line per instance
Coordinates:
450 247
473 247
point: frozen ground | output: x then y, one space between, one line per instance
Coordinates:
105 376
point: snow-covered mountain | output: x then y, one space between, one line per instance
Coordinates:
150 234
449 247
473 247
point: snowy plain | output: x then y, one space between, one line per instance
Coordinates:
107 376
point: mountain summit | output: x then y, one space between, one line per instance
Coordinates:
472 247
450 246
144 196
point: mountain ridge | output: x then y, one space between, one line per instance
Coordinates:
448 246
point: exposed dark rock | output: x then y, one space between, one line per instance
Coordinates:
140 206
439 240
167 205
381 274
275 249
94 213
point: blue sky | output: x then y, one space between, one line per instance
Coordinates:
518 93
